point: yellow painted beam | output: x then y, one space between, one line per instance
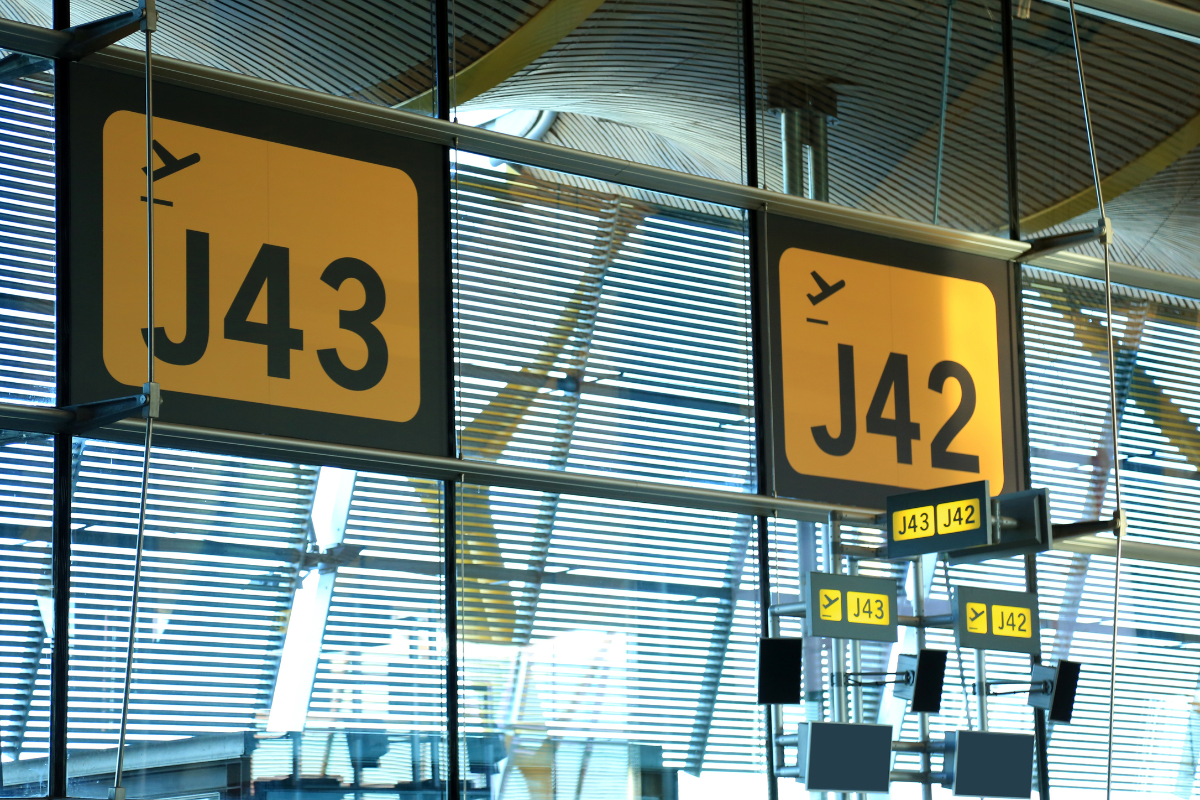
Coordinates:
1136 172
547 28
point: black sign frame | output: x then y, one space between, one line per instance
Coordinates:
97 93
940 542
780 233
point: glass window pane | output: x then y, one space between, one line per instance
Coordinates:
607 643
380 52
26 611
27 279
290 626
1158 360
852 94
659 86
602 329
1144 90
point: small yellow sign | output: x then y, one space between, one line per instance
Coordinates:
962 515
914 523
890 376
977 621
284 276
1011 621
867 608
831 604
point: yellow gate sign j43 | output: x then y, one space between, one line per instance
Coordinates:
891 376
284 276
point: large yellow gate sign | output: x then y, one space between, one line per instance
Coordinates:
889 376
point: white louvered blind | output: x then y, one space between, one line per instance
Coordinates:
223 543
1158 381
606 335
26 515
27 240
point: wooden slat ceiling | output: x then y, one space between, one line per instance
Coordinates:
672 68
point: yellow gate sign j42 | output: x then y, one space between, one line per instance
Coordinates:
285 276
890 376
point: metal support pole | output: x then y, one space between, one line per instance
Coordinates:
1040 741
941 148
60 555
1010 120
856 714
922 718
981 687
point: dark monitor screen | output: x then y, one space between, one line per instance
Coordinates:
993 764
843 757
779 664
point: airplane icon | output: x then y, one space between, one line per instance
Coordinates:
171 164
832 600
976 614
827 290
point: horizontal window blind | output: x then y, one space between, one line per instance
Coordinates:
224 538
27 240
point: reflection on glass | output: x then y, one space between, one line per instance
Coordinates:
31 12
290 627
602 330
853 100
379 53
607 648
26 612
658 86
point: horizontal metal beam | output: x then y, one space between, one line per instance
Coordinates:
32 39
478 472
517 150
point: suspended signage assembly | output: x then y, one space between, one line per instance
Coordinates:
893 366
299 267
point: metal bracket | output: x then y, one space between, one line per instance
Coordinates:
89 37
1045 245
338 556
89 416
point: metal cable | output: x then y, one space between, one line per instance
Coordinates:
118 791
1112 395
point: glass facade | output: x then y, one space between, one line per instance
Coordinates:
548 626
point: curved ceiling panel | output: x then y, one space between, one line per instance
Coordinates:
673 70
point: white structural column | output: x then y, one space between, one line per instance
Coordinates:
310 607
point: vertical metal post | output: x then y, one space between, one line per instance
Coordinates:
60 555
749 47
1040 742
442 69
981 687
941 148
756 230
856 714
923 717
1010 120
